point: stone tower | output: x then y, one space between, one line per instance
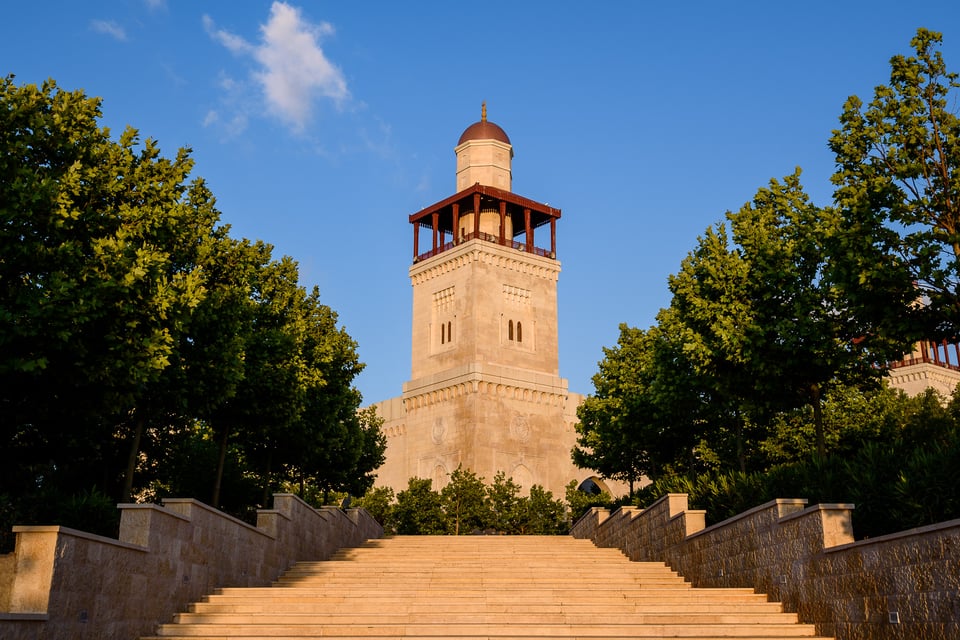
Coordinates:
485 390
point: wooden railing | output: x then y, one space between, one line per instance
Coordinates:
487 237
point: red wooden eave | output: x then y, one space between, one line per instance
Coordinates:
442 218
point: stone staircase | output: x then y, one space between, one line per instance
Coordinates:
473 587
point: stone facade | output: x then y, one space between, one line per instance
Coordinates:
899 586
62 583
914 379
930 365
530 443
485 390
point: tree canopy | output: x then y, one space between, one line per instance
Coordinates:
785 301
898 193
132 324
466 505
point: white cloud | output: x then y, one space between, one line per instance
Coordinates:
293 72
234 43
156 4
110 28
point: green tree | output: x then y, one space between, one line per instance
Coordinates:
852 415
898 192
97 280
353 445
378 502
544 515
623 432
711 301
464 502
578 502
131 325
506 504
271 395
418 510
373 448
802 340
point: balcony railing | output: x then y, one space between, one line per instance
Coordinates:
486 237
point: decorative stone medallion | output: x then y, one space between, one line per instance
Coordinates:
520 428
439 431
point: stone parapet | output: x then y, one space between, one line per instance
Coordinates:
63 583
902 585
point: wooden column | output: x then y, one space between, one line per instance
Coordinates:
503 222
528 230
476 215
456 222
416 240
436 223
553 237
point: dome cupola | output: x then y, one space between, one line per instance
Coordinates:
484 155
484 130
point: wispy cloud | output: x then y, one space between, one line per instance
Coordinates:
154 5
110 28
292 71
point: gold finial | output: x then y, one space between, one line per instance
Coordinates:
483 112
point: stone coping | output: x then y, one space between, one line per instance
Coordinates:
748 513
598 511
25 528
273 512
151 506
820 506
23 617
219 514
931 528
634 511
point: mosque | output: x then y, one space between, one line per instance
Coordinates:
485 389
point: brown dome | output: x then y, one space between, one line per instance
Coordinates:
484 130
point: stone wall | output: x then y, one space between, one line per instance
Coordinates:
904 585
62 583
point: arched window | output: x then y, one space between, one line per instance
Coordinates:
443 335
519 332
449 331
510 330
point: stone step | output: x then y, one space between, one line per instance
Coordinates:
558 566
370 636
490 587
461 618
444 630
555 566
359 605
574 595
472 580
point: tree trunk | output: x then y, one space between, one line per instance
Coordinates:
266 481
741 454
817 404
132 457
215 497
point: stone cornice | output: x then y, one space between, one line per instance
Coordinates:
488 253
490 380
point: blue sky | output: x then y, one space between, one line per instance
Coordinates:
320 126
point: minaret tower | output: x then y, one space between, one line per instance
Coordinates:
485 390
